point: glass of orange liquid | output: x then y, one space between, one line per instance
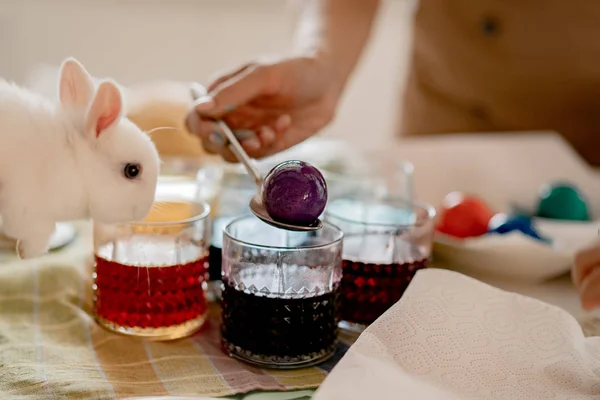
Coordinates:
150 276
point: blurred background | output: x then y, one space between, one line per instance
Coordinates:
136 41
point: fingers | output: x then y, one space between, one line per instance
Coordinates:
267 136
586 275
256 140
246 117
296 128
228 99
246 122
211 138
589 291
226 75
240 89
271 136
585 261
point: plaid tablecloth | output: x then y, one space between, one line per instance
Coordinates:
51 347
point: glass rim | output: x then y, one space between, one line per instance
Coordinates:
187 221
429 209
239 218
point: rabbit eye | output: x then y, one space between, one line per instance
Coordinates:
131 171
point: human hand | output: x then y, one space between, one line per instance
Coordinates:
586 275
270 106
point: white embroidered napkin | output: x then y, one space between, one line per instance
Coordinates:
453 337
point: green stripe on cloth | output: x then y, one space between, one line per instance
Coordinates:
292 395
51 347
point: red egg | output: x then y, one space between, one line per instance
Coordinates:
463 216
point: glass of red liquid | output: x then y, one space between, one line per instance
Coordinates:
280 293
386 241
150 276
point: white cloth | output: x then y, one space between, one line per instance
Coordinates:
453 337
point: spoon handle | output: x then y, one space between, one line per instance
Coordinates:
239 152
197 92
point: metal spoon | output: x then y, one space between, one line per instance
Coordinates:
256 205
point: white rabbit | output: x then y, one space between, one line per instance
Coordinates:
75 158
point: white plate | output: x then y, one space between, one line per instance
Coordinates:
515 255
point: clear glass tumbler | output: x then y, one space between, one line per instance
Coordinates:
386 241
235 190
150 276
280 293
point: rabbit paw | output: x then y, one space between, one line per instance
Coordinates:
33 233
31 248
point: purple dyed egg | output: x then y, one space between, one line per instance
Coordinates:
294 193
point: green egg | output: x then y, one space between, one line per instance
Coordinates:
562 201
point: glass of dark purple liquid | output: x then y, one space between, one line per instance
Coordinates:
280 293
386 241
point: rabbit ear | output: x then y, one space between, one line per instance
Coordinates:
106 108
76 86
